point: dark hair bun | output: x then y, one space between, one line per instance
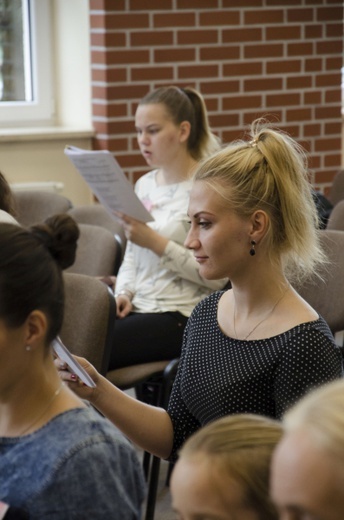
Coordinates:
59 234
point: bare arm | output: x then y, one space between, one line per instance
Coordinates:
149 427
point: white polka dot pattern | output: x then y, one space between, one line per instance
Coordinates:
219 375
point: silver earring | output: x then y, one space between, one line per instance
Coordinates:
252 250
28 347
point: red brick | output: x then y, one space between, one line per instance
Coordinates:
109 75
327 112
299 82
333 96
108 39
219 87
311 130
232 135
272 50
238 3
220 52
312 98
325 145
299 114
106 5
334 30
287 32
143 5
198 71
174 20
290 129
300 15
313 64
283 99
262 84
314 31
329 47
275 116
119 92
113 143
242 35
299 49
241 102
212 103
328 80
119 21
151 38
224 120
263 16
326 14
151 73
242 68
130 56
197 4
110 109
333 128
325 175
219 17
334 63
333 160
130 160
283 66
314 161
173 55
196 36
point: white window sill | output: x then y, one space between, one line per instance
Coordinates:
50 133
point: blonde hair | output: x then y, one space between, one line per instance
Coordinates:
321 413
240 446
187 104
269 172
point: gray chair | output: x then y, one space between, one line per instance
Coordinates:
89 319
34 207
326 295
97 252
337 189
336 218
97 215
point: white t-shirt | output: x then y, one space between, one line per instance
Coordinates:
170 282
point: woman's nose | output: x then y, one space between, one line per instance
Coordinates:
191 241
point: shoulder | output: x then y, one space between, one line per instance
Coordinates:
7 218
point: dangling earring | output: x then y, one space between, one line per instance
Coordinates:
252 250
28 347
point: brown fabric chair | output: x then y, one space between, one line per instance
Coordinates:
97 215
34 207
97 252
326 295
337 189
89 319
336 219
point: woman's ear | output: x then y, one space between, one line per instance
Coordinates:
184 131
259 225
36 328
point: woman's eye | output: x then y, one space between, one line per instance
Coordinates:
204 223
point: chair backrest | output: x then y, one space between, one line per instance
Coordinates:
326 295
336 218
97 215
33 207
337 189
89 319
96 253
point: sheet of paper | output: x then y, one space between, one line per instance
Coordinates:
63 353
108 182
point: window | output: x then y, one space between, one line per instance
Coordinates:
26 95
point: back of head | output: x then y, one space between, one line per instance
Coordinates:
7 202
269 172
187 104
241 447
321 414
31 264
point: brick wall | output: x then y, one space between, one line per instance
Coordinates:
249 58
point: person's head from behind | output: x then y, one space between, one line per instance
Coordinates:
307 478
223 470
170 120
31 263
259 192
7 202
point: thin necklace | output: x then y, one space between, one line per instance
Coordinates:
261 321
41 414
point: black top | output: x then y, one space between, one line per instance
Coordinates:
219 375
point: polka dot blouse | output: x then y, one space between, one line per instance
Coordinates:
219 375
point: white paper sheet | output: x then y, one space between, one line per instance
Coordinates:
108 182
63 353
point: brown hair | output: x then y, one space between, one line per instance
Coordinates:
187 104
7 202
